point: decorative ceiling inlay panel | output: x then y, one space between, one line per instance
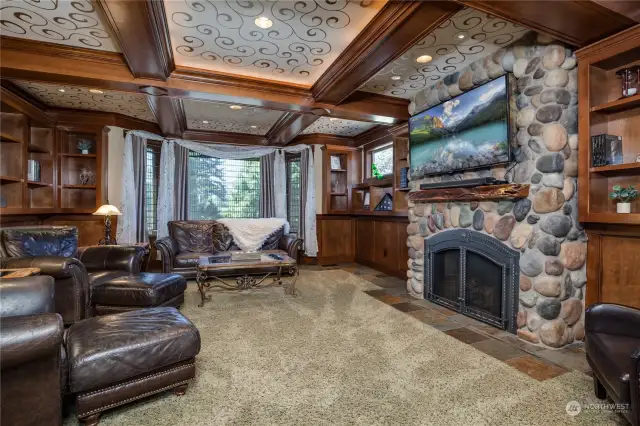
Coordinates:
131 104
304 38
338 126
221 118
75 23
467 36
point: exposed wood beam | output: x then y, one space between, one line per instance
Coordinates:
50 63
17 99
288 127
323 139
630 8
395 29
169 114
224 137
381 134
577 22
140 28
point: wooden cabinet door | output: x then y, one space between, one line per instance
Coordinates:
386 248
365 240
335 241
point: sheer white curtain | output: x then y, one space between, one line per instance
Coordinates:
229 152
127 229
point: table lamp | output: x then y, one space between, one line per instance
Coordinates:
107 210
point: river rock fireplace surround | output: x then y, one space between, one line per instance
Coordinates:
473 274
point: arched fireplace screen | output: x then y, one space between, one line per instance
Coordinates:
474 274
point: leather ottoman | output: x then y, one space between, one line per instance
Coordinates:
120 358
134 291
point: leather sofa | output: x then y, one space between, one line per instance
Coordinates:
54 249
30 353
612 341
190 239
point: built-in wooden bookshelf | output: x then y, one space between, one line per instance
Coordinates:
58 188
341 171
603 110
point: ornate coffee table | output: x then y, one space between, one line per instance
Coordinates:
211 274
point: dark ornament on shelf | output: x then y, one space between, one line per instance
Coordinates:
386 204
630 81
404 177
87 177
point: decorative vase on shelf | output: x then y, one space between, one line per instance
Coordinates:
623 196
623 207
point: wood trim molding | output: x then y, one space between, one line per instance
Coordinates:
64 117
224 137
288 127
590 21
395 29
142 36
169 114
59 50
324 139
17 99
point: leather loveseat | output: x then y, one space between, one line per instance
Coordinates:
190 239
612 336
54 250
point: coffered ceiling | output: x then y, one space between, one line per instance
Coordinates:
456 43
221 118
304 38
75 23
338 127
64 96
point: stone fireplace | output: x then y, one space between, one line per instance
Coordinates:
542 228
473 274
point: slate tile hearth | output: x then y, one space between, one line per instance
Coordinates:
538 362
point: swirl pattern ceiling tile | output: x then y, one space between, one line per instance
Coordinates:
220 117
75 23
131 104
304 38
338 127
465 37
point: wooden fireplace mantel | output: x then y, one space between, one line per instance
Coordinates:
488 192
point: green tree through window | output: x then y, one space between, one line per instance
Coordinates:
223 188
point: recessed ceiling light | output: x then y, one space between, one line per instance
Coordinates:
460 36
205 122
254 127
423 59
263 22
235 107
396 77
332 119
96 91
61 90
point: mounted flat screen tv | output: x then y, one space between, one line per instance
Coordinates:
466 132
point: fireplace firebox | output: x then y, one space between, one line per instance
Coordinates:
474 274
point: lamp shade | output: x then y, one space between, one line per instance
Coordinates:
107 210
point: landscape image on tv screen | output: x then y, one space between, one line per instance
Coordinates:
468 131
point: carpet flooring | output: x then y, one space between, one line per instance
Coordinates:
335 356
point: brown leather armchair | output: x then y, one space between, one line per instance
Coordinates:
30 347
613 352
190 239
54 249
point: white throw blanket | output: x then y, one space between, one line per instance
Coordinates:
250 234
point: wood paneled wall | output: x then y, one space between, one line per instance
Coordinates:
378 242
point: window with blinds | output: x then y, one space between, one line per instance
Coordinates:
223 188
151 181
293 193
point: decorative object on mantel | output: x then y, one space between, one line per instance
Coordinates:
488 192
87 177
107 210
386 204
84 146
624 196
630 80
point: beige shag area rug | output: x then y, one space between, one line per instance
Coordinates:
336 356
